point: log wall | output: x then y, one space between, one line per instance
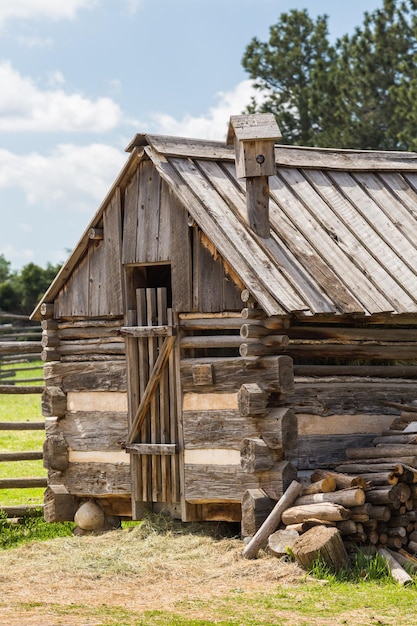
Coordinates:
236 423
345 376
85 406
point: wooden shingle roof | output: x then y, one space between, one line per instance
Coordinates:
343 224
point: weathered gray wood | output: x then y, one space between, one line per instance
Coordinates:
54 402
383 495
256 349
397 572
255 456
47 309
94 430
148 207
345 334
181 266
226 428
376 371
325 485
349 395
22 483
86 376
21 389
87 346
322 510
22 425
324 543
380 451
165 449
252 400
270 524
210 341
346 497
203 374
32 455
164 250
343 481
130 219
257 202
359 468
213 221
55 451
150 389
273 373
146 331
208 274
83 480
274 482
395 351
279 429
313 451
380 478
96 233
50 340
253 331
20 511
220 321
256 506
404 559
282 541
351 160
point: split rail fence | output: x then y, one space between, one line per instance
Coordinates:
20 353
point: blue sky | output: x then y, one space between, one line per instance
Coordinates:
78 78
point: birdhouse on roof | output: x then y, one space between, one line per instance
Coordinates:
254 139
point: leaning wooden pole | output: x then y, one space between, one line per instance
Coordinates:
272 521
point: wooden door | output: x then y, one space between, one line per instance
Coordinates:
153 430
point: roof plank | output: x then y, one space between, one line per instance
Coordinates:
384 226
207 224
358 239
308 289
239 237
283 189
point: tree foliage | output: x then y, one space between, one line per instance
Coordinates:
359 92
20 291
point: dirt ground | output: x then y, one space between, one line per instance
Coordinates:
81 581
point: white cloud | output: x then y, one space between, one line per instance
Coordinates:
25 107
34 42
49 9
12 254
213 125
133 6
71 178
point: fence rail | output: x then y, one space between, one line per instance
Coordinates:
20 345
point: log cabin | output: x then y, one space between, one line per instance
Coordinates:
234 314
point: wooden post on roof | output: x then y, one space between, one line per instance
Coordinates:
254 138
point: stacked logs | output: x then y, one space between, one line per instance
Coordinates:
371 498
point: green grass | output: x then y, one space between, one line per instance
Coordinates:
162 549
21 408
364 567
32 527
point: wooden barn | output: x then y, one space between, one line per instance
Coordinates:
232 315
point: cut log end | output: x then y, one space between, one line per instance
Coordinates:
321 542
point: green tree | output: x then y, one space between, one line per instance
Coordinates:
4 269
9 298
360 93
32 282
20 291
287 69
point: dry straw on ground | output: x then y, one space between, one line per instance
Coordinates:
144 568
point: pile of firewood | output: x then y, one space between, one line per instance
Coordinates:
370 499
